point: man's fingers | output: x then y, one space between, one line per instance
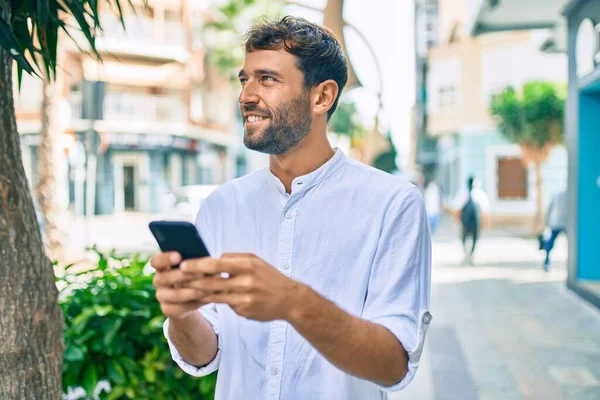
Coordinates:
214 266
216 284
173 277
179 295
165 261
232 299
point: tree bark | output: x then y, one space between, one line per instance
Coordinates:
31 324
50 171
538 223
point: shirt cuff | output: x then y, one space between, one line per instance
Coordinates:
412 340
189 368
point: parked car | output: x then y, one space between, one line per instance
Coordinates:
183 203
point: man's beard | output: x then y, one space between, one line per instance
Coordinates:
289 124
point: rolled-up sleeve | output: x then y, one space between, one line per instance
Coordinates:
210 314
400 279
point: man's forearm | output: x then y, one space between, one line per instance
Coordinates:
360 348
194 339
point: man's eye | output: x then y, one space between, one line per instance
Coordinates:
243 81
269 78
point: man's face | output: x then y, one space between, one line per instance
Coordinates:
276 108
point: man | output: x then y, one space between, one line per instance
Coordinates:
556 221
472 211
320 278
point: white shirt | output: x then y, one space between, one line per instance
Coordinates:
356 235
479 197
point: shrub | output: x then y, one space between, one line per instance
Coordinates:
113 332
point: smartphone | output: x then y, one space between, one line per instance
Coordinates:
179 236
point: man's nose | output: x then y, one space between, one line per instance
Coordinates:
248 94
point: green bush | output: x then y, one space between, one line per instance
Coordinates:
113 332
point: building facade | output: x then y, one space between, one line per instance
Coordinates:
582 125
465 72
583 138
152 116
426 38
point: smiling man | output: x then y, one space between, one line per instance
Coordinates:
319 283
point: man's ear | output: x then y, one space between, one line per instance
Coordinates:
324 96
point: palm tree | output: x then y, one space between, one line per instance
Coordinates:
31 348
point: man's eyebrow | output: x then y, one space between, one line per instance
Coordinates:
267 72
262 71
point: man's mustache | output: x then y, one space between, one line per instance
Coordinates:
256 109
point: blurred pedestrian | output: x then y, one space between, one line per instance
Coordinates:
433 205
556 223
472 210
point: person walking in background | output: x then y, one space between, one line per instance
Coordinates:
472 209
433 205
556 222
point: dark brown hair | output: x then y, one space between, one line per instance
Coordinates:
319 53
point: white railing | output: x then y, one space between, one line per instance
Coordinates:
136 107
75 101
141 30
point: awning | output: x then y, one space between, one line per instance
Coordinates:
170 75
511 15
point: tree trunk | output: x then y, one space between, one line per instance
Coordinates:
31 324
538 223
50 171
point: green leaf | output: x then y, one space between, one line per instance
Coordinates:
74 353
90 379
150 374
116 393
112 331
102 311
116 373
130 393
42 12
77 10
9 42
80 321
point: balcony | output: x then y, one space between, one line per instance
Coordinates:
143 37
135 107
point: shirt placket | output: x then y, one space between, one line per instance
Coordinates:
278 328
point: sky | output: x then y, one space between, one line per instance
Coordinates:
388 27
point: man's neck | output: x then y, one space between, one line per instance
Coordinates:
308 156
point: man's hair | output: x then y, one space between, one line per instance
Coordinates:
470 182
319 53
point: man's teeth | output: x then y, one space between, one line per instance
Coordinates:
255 118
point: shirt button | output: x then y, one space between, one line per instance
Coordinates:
274 370
286 266
426 318
289 216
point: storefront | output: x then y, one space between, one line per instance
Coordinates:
583 141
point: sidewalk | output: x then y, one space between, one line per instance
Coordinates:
504 329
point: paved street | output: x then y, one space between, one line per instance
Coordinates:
504 329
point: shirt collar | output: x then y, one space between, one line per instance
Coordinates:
307 181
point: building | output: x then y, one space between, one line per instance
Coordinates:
426 37
152 116
463 75
582 122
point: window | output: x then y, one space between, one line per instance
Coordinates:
447 97
512 179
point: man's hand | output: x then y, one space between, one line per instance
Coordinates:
176 299
254 289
